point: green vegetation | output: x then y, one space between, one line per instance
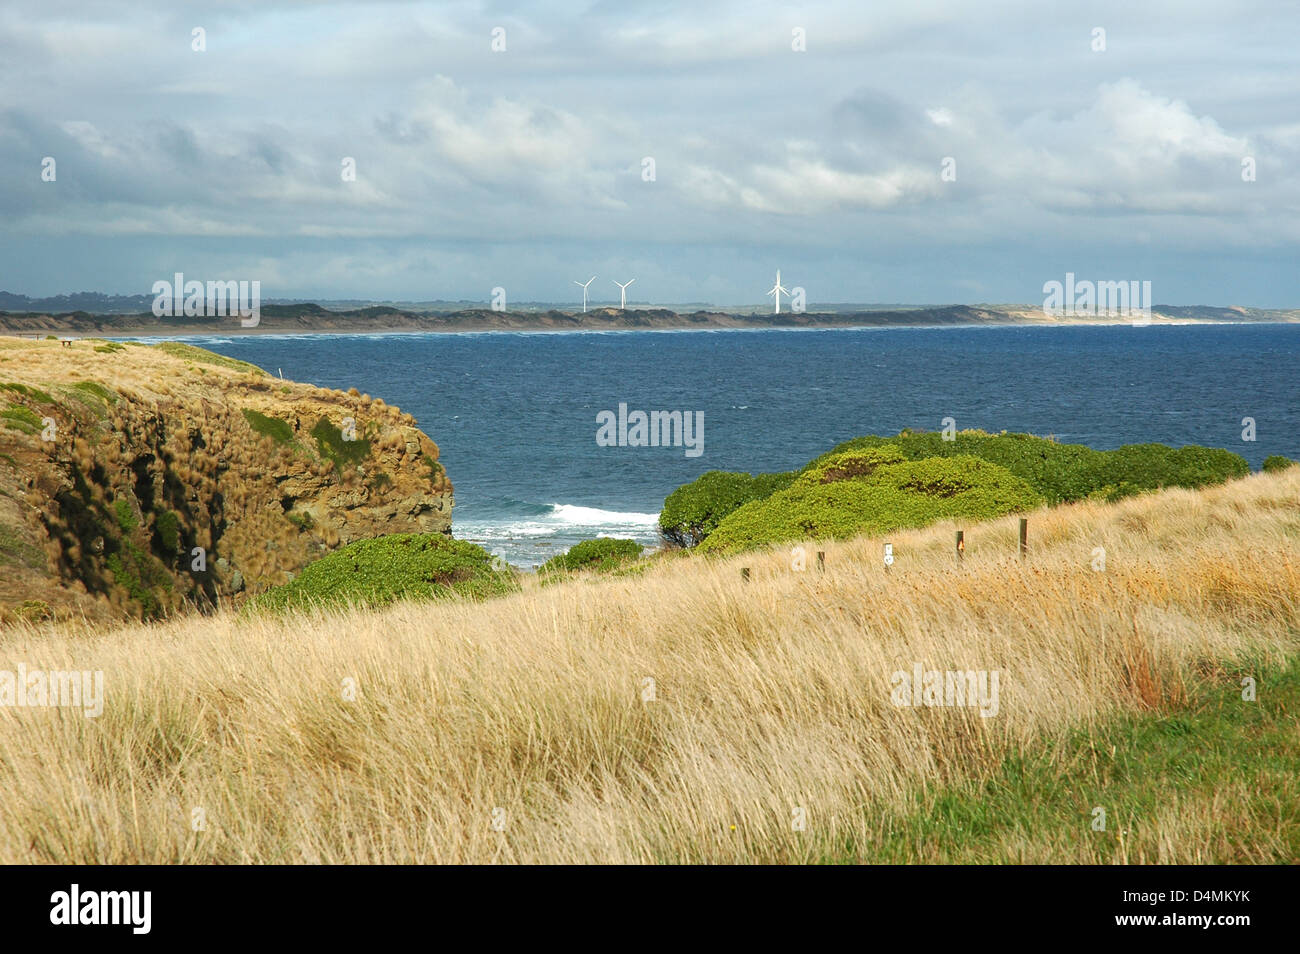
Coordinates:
1055 473
203 356
1276 462
694 510
16 551
602 555
21 418
97 390
887 496
333 447
395 567
1065 472
125 514
1219 750
141 576
272 427
36 394
109 347
167 529
34 611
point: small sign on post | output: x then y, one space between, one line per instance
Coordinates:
889 556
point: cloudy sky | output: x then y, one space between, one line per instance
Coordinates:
525 168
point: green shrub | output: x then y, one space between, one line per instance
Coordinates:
125 515
167 528
109 347
1065 472
601 555
395 567
693 510
890 497
1275 462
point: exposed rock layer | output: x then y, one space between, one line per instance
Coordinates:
138 480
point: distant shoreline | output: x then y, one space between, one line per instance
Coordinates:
315 320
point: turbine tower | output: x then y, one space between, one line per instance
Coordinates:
776 290
622 297
584 291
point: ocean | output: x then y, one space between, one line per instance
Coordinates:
515 414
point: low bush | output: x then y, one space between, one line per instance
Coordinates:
693 510
394 567
1275 462
601 555
891 496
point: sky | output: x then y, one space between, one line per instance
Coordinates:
920 152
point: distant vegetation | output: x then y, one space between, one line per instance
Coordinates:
874 484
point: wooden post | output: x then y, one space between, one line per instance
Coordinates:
961 544
1024 537
821 561
744 573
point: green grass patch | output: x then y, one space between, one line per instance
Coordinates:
95 389
203 356
400 566
36 394
272 427
1276 462
109 347
1136 767
329 439
15 551
21 418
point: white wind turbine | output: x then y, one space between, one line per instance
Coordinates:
584 290
776 290
622 296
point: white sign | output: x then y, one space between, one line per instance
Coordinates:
889 554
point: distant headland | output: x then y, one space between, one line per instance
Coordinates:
93 314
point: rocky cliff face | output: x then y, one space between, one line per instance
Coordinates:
146 480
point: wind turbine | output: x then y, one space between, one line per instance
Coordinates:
622 303
584 290
776 290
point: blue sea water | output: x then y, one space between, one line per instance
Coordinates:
515 414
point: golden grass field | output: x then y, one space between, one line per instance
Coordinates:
769 695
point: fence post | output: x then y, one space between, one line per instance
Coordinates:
744 573
821 561
961 544
1024 537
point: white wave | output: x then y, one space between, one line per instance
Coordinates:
593 517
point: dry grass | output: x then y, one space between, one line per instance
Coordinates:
770 695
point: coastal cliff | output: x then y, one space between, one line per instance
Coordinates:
144 480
